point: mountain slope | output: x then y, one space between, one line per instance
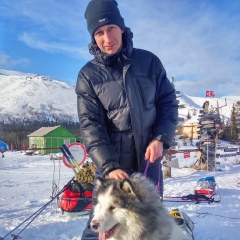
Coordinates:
33 97
194 104
30 97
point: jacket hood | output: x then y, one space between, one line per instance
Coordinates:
110 60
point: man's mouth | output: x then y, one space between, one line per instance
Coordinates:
108 234
110 46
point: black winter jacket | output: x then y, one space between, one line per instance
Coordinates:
124 102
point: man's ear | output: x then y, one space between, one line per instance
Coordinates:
127 187
122 31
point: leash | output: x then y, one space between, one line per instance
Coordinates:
158 186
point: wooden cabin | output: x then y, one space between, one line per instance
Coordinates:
50 139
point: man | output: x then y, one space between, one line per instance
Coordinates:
126 105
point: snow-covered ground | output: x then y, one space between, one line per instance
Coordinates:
26 185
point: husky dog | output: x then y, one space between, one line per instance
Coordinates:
131 209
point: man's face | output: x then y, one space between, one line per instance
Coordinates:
109 38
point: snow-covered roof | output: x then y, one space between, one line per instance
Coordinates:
42 131
192 121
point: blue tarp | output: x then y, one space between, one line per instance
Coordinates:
3 146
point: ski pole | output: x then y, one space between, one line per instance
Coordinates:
71 156
35 214
68 159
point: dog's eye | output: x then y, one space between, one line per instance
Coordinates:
112 208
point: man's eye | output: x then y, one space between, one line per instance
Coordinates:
98 33
111 28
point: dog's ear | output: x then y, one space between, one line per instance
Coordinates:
127 186
99 182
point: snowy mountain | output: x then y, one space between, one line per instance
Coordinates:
192 104
30 97
33 97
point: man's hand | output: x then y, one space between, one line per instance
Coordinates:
117 174
154 150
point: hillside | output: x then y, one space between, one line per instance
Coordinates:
30 97
33 97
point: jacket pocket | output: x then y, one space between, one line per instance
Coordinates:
147 91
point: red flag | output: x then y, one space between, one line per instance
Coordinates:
210 93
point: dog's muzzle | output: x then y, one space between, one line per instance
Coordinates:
94 224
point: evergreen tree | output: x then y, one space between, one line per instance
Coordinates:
238 119
225 134
234 129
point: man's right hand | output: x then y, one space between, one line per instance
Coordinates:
117 174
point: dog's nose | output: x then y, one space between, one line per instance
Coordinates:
94 224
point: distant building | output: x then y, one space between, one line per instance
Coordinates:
189 129
49 138
3 147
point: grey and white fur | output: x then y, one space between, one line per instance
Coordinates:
131 209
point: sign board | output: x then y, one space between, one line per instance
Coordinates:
226 155
79 153
172 163
186 154
230 149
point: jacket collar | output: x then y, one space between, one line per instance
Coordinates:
109 60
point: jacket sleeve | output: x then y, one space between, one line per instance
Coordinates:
166 107
93 129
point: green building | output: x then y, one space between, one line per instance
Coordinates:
49 139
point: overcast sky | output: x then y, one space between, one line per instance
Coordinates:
198 41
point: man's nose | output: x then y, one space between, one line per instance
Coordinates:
108 37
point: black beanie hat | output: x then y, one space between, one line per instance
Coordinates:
103 12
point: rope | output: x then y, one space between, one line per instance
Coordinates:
159 169
55 186
37 213
59 175
146 168
202 215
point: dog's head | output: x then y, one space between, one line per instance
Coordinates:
111 206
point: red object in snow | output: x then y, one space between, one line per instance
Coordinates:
206 186
75 198
186 154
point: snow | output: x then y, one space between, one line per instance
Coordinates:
35 97
26 185
28 97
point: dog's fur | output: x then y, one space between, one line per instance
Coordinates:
131 209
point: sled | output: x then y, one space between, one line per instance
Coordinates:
76 199
206 191
206 186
